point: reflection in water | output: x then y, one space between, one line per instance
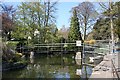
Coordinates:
31 54
78 58
56 66
78 55
32 57
78 72
78 61
62 75
86 71
32 60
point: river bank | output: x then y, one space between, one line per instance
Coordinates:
106 69
11 59
13 66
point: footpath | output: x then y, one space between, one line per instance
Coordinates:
106 69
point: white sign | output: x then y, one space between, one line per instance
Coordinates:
78 43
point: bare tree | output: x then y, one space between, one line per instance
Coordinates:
49 10
49 17
87 15
7 14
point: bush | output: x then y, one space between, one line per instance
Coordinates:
12 44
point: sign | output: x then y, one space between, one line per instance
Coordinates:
78 43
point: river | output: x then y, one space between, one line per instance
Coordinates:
49 66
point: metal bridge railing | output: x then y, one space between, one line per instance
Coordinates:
114 70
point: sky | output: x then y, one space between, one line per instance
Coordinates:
63 13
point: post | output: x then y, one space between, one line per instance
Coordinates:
79 54
83 53
112 29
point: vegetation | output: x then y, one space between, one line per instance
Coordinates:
101 29
74 33
10 57
24 20
6 16
35 23
87 16
32 16
117 30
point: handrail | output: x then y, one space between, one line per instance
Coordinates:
115 69
55 43
59 44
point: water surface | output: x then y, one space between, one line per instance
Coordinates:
49 66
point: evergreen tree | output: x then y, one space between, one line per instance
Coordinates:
74 33
117 30
102 30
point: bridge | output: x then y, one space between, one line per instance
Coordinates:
57 47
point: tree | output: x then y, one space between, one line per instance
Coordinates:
29 18
49 16
101 29
86 15
51 34
74 33
7 15
37 15
64 32
111 12
117 30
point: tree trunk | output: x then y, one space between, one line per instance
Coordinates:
111 24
